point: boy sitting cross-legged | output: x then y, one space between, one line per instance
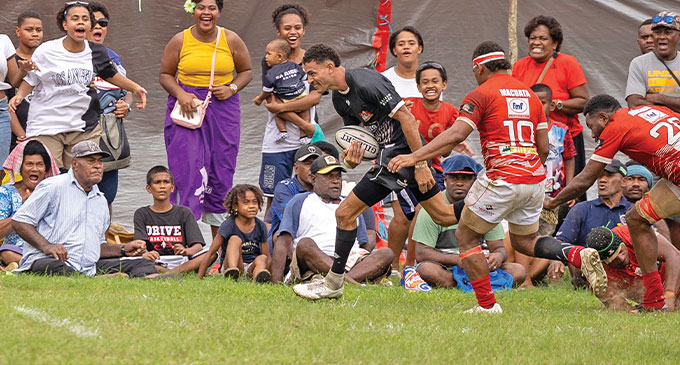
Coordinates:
173 240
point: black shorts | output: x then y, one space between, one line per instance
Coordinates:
378 182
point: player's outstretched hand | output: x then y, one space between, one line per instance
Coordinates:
400 162
424 179
464 148
353 155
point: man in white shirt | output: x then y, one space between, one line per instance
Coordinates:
309 227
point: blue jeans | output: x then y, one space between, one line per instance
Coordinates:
109 185
5 130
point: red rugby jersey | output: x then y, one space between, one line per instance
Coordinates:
631 272
507 114
648 134
431 124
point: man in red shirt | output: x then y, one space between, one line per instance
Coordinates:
514 135
648 134
616 251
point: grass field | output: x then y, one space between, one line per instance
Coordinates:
88 320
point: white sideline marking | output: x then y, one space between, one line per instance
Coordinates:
39 316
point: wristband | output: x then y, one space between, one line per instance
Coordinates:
421 164
669 294
129 108
122 251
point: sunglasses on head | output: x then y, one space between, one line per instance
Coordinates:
103 22
430 65
69 4
666 19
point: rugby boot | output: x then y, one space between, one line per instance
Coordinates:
593 271
496 309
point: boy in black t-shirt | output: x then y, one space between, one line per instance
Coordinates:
364 97
173 240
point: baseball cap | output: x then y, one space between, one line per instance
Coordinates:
307 151
461 164
616 166
325 164
640 171
666 19
87 148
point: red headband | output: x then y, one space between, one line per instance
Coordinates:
491 56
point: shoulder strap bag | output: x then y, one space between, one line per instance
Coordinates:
196 121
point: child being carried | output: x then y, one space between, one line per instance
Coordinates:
286 80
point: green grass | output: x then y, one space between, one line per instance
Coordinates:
214 320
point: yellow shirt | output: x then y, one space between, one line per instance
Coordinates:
195 60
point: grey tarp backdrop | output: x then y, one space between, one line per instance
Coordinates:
599 33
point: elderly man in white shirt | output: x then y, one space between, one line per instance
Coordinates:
64 223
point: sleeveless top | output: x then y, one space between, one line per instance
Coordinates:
195 59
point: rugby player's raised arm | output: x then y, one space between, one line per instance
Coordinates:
579 185
443 143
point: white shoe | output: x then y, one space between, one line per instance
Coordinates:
593 271
496 309
317 289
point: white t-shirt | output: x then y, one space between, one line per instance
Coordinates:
6 51
62 93
307 216
269 144
406 88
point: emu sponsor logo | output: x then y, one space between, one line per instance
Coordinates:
518 107
653 116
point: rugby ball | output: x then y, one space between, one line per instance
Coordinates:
348 134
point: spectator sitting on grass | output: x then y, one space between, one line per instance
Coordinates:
308 229
169 232
241 238
301 182
436 246
623 272
33 162
64 222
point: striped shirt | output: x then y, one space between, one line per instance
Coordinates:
64 213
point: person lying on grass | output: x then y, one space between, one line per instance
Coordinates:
169 232
615 247
242 238
64 221
308 231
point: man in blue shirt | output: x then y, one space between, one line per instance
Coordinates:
608 210
288 188
64 222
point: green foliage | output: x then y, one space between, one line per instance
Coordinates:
144 321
